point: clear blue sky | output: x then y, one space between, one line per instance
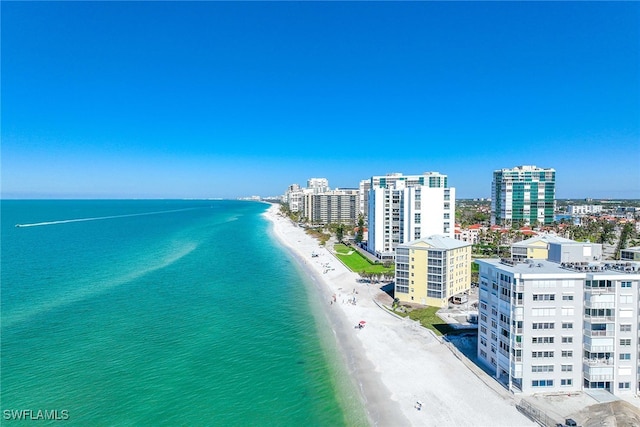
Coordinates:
231 99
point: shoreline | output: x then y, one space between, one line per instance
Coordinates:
393 362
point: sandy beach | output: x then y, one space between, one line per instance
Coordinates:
394 361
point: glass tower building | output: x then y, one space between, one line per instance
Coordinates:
523 195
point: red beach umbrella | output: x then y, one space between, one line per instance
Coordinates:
362 322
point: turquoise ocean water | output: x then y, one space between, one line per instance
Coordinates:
161 313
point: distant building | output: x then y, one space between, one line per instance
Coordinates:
523 194
470 234
560 325
409 209
318 185
331 207
584 209
293 197
431 270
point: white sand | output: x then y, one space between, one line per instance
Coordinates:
394 361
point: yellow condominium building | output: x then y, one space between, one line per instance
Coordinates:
431 270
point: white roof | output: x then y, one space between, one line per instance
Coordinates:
548 238
437 241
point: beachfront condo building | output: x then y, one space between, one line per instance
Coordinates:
564 324
318 185
331 207
404 211
523 195
431 270
294 196
430 179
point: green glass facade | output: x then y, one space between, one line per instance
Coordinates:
523 195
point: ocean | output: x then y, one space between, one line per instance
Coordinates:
160 312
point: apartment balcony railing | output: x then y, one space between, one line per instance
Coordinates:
608 319
596 304
589 363
598 333
515 330
598 377
598 348
599 291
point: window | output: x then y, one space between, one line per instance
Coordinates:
542 340
567 311
625 356
566 381
542 368
543 325
567 368
537 354
625 341
567 340
567 353
624 385
625 284
567 297
544 297
542 383
567 325
625 328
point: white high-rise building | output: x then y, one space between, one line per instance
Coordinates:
408 208
568 323
430 179
318 185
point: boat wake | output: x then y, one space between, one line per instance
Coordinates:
98 218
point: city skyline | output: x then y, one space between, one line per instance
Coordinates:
227 99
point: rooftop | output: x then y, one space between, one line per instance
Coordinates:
531 266
437 241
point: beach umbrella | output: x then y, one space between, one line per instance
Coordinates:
362 322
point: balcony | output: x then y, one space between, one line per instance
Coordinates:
598 348
590 363
599 304
600 291
609 333
592 319
598 377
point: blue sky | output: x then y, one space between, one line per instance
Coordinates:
231 99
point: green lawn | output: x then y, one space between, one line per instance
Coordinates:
356 262
429 319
